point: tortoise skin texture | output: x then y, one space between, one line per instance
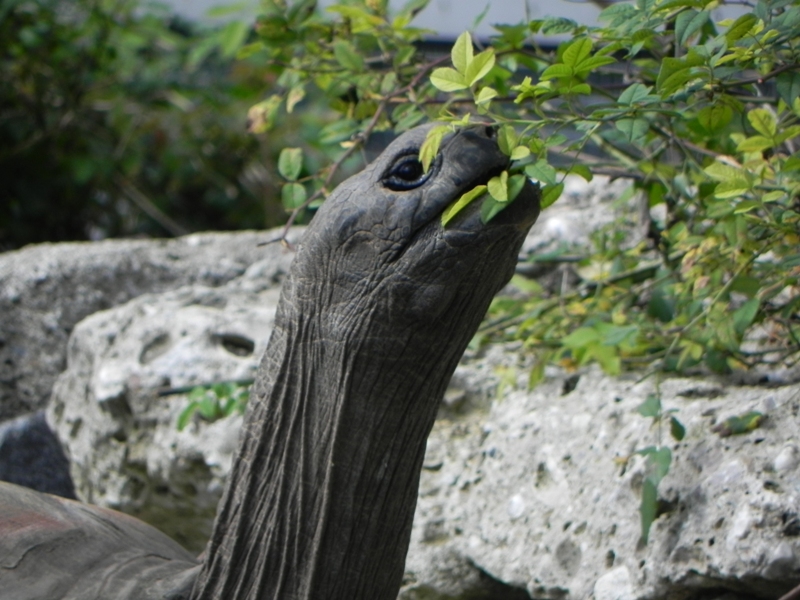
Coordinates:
376 311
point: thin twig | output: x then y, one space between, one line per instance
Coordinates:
136 196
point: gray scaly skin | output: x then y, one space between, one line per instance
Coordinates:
378 307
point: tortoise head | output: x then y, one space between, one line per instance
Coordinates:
378 240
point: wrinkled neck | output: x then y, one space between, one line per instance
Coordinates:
321 498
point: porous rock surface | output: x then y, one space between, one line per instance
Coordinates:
116 415
542 490
46 289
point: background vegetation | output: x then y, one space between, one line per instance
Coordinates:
119 119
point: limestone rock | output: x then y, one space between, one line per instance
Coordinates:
542 492
46 289
123 443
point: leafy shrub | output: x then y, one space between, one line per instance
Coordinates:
702 117
116 120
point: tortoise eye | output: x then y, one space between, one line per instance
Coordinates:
406 173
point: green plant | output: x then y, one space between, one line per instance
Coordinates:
213 402
118 119
658 459
701 117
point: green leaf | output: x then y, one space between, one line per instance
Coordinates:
461 54
479 66
448 80
788 85
485 95
633 129
498 187
731 189
651 407
581 88
293 195
581 337
582 171
648 508
556 71
295 95
576 51
550 193
541 171
746 206
515 184
456 207
723 172
757 143
208 407
661 460
186 416
744 315
430 147
787 134
637 92
715 117
290 163
763 121
490 208
675 72
232 37
590 64
507 139
676 429
689 22
520 152
347 56
740 28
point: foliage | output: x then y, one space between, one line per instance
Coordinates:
118 119
702 117
213 402
658 459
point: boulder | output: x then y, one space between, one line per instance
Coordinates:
46 289
541 491
116 410
31 455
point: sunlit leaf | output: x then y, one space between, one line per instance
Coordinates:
576 51
498 187
448 80
430 147
479 67
763 121
462 53
456 207
740 27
